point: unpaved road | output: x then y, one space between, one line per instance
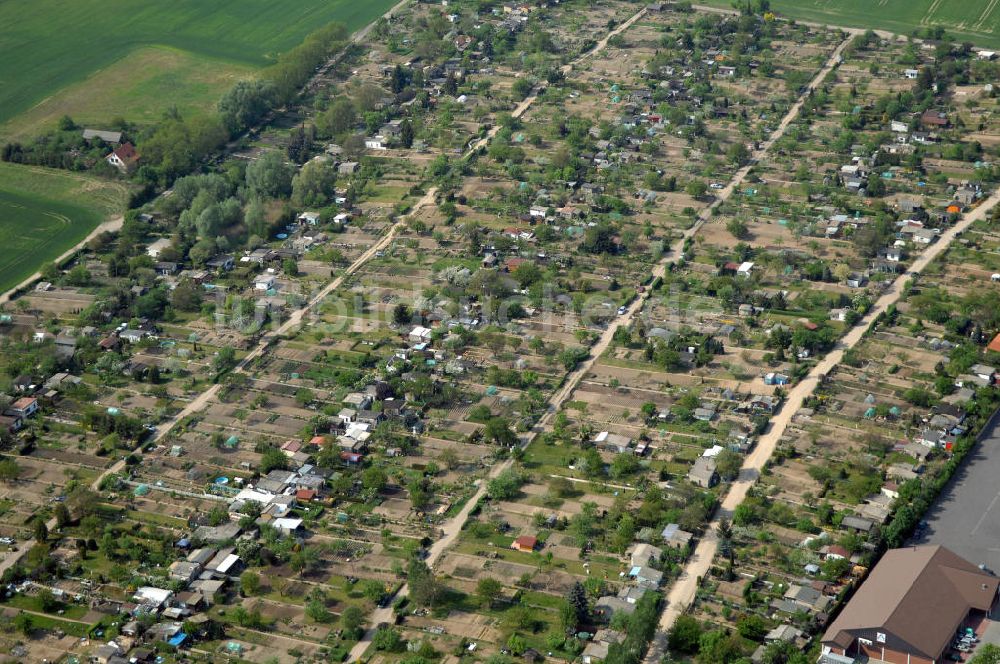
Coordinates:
112 225
682 592
453 527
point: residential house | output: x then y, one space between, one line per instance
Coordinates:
643 554
703 473
858 524
772 378
157 247
931 119
124 157
222 262
264 282
597 648
420 334
983 372
646 576
24 407
612 442
309 218
966 195
525 543
184 571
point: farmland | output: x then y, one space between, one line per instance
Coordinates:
134 88
575 332
38 220
976 20
95 35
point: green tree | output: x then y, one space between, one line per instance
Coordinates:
187 296
250 583
314 184
505 486
373 590
696 188
401 314
339 118
374 478
317 611
224 360
62 515
425 590
246 104
351 620
577 599
24 623
498 431
685 635
269 176
488 589
41 531
521 88
624 465
988 653
273 459
387 639
728 464
737 228
9 470
406 134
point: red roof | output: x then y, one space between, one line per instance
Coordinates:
351 457
292 446
318 440
994 345
126 152
514 263
934 118
526 542
305 494
838 550
23 402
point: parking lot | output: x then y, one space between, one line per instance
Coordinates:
966 517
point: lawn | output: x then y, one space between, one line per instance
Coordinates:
95 34
44 212
975 20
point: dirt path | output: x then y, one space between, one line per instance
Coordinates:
453 528
682 593
112 225
528 101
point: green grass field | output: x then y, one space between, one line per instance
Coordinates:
974 20
135 88
47 46
44 212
